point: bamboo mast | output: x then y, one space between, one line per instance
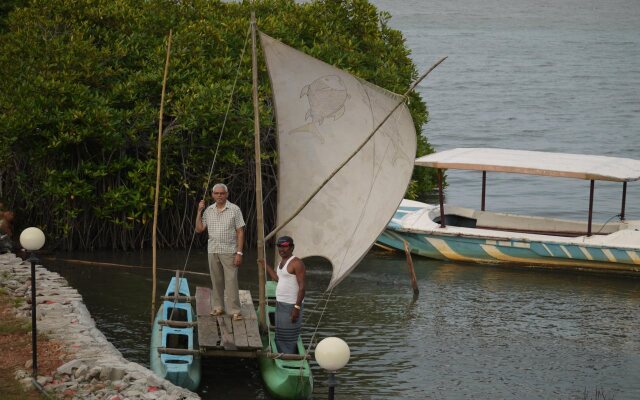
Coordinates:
157 191
259 209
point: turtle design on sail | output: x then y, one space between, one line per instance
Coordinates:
327 96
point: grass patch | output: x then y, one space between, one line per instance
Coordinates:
9 323
12 390
15 349
11 327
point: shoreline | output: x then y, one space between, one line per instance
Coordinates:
96 370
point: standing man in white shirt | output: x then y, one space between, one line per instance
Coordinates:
224 222
290 292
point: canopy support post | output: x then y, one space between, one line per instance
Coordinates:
624 199
484 189
441 198
592 188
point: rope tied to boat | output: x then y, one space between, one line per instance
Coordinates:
607 221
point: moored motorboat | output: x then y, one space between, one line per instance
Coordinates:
461 234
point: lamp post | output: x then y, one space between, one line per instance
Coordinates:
32 240
332 353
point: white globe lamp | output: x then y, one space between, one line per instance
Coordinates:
32 239
332 354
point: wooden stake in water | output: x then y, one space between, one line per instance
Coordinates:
412 272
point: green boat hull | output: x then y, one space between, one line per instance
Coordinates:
284 379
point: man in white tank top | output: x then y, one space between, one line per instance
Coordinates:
290 292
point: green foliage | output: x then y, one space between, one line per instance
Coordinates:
7 6
80 101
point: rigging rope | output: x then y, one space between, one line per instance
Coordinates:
215 155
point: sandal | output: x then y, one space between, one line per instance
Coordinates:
217 313
237 317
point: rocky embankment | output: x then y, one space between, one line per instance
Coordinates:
97 369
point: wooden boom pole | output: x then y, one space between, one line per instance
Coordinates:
157 192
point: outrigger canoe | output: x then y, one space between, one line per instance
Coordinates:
172 338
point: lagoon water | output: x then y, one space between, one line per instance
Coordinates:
556 75
560 75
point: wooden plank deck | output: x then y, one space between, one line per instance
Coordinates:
221 336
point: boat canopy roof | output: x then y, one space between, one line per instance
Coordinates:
579 166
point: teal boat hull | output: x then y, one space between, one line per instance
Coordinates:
181 370
284 379
471 244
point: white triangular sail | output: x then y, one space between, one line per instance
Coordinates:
324 114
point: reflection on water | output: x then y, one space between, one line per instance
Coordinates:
474 331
